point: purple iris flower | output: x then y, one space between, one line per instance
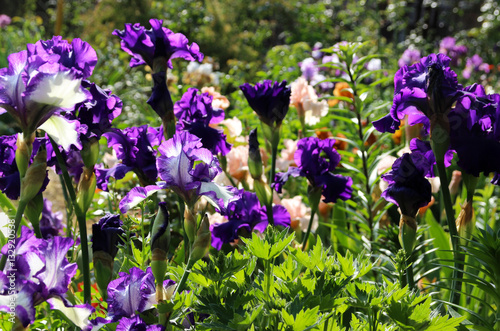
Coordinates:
135 148
245 215
424 148
316 159
42 273
10 182
106 234
132 292
51 224
188 169
137 324
97 112
195 114
475 131
270 100
449 47
413 84
146 45
43 81
408 187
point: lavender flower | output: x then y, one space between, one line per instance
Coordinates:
43 81
146 45
270 100
316 160
4 20
409 57
195 114
245 215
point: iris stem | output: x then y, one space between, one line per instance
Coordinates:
410 278
456 283
81 218
184 278
309 227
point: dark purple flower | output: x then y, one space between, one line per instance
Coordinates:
408 187
10 182
51 224
270 100
316 159
137 324
98 111
131 293
195 114
245 215
106 234
475 131
146 45
135 148
420 91
424 148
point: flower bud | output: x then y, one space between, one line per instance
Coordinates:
264 192
35 175
202 242
161 230
33 211
407 233
86 188
254 157
456 178
90 152
189 223
465 222
103 271
160 243
23 153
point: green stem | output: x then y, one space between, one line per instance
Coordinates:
456 283
143 238
184 279
81 218
309 227
268 278
410 278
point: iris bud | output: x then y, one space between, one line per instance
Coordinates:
202 242
35 175
254 158
407 233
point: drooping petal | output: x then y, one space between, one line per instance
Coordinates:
63 131
78 314
136 196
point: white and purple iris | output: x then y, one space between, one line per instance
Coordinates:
42 273
43 81
188 169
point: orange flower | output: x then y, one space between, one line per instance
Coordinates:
341 90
